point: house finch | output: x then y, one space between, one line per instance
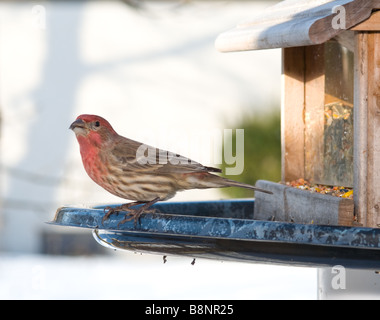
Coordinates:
135 171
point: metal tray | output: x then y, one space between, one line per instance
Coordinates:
226 230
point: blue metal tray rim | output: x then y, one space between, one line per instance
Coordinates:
226 230
222 228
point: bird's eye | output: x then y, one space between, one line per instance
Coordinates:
97 124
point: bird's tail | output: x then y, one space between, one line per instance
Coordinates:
208 180
233 183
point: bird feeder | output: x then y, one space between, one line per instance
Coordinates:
330 135
330 105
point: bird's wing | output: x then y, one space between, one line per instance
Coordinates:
132 155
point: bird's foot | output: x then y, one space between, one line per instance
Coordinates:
132 213
116 210
135 214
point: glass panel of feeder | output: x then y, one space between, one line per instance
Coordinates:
338 110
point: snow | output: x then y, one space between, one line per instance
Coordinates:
124 275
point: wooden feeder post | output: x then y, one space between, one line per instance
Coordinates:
330 114
367 121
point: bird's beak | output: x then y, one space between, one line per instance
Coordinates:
79 123
79 127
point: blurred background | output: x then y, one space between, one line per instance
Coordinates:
151 69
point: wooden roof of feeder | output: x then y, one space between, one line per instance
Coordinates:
294 23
